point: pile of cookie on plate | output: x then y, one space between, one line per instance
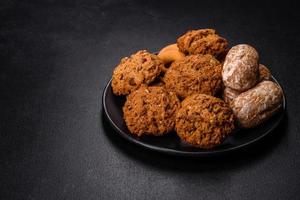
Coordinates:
198 87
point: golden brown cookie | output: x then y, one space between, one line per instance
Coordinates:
203 41
194 74
204 121
150 111
170 54
134 71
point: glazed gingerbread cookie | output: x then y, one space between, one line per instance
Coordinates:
258 104
240 69
230 94
264 73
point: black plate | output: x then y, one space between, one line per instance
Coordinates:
171 143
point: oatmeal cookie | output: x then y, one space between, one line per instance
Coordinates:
202 41
134 71
204 121
150 110
194 74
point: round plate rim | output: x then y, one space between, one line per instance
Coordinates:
189 153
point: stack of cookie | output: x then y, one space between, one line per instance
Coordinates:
242 71
179 88
249 89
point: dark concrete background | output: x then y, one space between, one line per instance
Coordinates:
56 57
